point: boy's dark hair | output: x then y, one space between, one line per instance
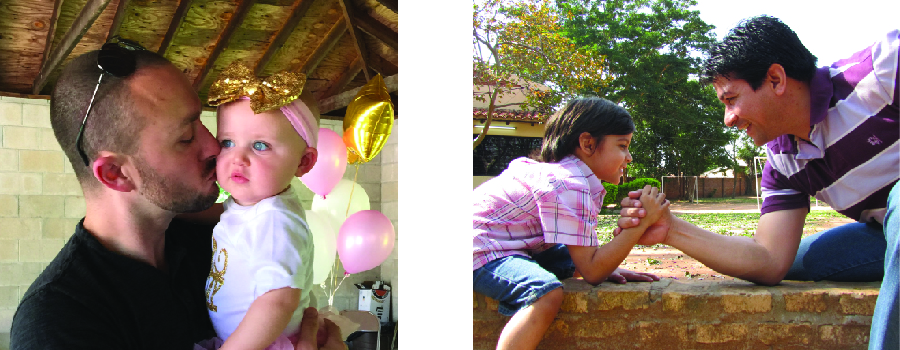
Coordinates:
113 124
596 116
749 50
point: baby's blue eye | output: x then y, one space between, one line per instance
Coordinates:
226 144
260 146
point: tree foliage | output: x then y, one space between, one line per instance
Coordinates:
745 150
520 45
652 54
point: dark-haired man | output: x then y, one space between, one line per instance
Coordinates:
130 277
830 132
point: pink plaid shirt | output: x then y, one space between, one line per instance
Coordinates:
532 206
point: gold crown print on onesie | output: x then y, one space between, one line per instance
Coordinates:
216 278
237 80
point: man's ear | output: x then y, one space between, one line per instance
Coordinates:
777 77
310 155
108 169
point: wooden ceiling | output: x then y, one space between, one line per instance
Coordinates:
339 44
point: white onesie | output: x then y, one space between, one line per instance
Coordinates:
256 249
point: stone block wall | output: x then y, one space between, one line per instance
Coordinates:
41 202
675 314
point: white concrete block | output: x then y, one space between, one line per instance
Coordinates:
10 113
36 115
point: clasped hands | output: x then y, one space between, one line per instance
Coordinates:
633 212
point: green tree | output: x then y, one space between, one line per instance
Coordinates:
519 45
652 52
746 151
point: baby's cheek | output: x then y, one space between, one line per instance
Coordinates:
221 172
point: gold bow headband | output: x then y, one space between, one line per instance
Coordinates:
237 80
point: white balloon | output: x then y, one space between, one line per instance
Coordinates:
335 203
325 242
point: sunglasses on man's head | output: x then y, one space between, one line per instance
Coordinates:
116 58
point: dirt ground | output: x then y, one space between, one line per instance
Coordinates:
667 262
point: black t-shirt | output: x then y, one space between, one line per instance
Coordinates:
91 298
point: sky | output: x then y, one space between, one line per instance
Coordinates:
830 32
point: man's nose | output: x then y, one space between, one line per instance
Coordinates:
730 119
209 143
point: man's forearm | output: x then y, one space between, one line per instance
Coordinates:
737 256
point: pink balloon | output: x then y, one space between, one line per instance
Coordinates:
330 166
365 240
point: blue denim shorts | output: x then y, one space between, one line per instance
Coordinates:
518 281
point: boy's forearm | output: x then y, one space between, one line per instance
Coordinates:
609 256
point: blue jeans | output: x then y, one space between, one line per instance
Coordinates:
884 333
872 256
518 281
825 255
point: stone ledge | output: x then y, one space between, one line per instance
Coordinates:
674 314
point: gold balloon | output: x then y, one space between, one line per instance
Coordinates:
368 121
352 158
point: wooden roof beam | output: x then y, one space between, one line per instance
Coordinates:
341 82
117 20
349 15
89 13
377 29
177 18
285 33
390 4
381 65
57 8
232 26
331 39
343 99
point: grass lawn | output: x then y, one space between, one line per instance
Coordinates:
731 224
726 200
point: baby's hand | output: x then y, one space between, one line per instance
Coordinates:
654 202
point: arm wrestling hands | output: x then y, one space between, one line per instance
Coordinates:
631 214
764 258
600 263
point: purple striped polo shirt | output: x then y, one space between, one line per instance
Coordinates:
533 205
853 157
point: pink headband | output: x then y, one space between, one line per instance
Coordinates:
302 119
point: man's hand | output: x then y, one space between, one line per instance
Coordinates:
314 337
631 214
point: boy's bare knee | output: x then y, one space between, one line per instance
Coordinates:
553 299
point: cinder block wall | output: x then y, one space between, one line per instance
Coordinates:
41 202
674 314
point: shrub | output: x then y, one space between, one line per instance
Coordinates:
612 191
634 185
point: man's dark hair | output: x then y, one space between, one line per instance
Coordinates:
113 124
596 116
749 50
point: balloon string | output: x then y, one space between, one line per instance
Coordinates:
346 213
331 298
330 295
333 290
